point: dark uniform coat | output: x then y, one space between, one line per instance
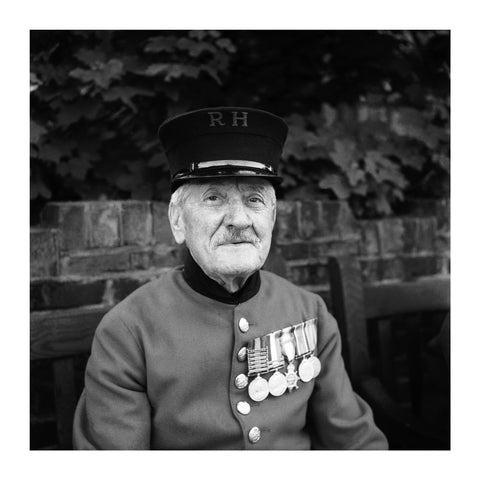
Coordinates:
164 362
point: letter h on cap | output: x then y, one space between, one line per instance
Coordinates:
216 119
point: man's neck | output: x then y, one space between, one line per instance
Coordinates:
209 287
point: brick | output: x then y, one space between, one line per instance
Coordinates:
347 224
442 213
439 208
311 220
370 270
391 232
53 294
161 226
295 250
93 262
322 250
276 263
443 265
137 223
160 256
410 227
104 223
69 219
287 224
390 269
338 220
369 244
419 266
425 234
309 274
442 243
164 257
122 287
141 260
43 252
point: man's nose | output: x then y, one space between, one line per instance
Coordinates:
237 215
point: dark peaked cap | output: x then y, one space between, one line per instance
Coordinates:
223 142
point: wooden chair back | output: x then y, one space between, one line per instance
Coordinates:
384 329
60 336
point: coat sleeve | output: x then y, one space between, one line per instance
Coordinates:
113 412
339 418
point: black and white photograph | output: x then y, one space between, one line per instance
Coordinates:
240 240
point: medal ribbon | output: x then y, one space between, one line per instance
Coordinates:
311 334
300 339
275 357
257 356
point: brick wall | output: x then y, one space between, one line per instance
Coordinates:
91 253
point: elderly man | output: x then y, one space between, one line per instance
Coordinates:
218 354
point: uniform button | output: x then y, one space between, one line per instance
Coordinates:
254 434
242 354
243 408
241 381
243 325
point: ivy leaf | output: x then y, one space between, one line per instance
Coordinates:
337 183
344 153
91 57
212 72
102 74
171 70
39 189
36 132
78 167
157 160
125 94
226 44
443 160
195 49
161 44
383 169
35 82
83 108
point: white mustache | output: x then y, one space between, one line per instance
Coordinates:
238 236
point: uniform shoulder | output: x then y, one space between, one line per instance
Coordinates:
273 280
144 299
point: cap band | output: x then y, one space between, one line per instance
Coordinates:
231 163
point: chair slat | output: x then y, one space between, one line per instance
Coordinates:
62 333
425 295
65 400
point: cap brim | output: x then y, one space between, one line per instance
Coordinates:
226 173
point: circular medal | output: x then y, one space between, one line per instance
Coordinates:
316 365
277 384
258 389
305 370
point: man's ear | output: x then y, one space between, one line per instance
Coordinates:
175 216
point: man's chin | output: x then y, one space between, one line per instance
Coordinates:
238 266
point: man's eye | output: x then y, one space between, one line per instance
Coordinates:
212 198
255 200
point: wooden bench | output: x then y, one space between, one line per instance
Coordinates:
385 330
59 337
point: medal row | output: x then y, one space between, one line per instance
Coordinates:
268 353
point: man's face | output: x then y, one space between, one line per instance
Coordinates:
227 224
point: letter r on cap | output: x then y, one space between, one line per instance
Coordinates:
236 116
216 119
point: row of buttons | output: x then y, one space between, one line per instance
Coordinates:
241 382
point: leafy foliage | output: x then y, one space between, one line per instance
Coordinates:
368 111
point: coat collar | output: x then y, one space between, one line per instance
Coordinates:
203 284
